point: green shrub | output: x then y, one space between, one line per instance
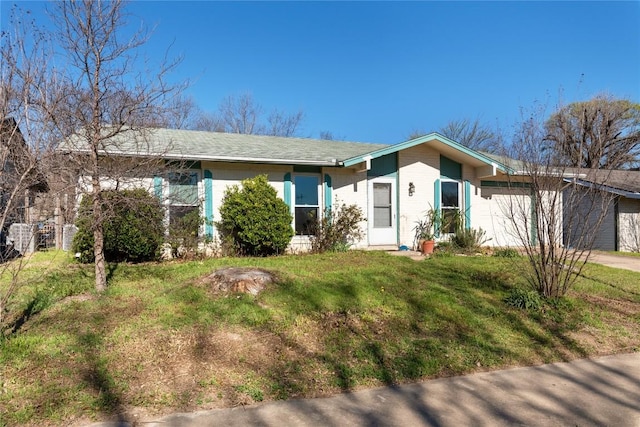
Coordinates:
254 220
184 234
506 253
133 229
524 299
337 230
469 238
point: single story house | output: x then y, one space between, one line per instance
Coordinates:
620 229
394 185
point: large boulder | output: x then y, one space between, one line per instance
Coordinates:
240 279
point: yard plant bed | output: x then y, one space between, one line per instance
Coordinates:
160 341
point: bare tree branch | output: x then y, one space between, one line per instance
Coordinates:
602 133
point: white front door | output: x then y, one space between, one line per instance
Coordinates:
382 212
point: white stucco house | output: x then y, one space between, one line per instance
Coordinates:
394 185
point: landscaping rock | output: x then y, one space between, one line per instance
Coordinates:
244 280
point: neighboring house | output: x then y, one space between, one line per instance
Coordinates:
20 178
394 185
620 230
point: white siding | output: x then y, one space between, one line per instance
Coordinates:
629 225
505 215
421 166
583 211
350 187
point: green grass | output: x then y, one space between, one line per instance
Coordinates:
160 340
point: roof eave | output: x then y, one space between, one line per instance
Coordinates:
229 159
423 139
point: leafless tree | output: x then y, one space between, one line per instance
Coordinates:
555 217
26 143
242 114
282 124
472 134
602 133
103 104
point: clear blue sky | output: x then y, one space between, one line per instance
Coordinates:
375 71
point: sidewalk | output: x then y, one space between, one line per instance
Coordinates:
588 392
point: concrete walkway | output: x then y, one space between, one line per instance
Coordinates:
589 392
617 261
605 258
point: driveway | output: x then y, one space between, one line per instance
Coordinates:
616 261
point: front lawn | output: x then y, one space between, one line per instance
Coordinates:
160 341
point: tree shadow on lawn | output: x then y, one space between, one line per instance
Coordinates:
408 350
108 398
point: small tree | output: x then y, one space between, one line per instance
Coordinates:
102 99
254 219
555 218
133 228
338 229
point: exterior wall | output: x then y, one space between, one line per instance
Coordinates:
350 187
504 214
419 165
581 215
347 186
629 224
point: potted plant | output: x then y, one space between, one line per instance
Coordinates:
424 230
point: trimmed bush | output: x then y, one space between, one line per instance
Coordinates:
133 228
254 220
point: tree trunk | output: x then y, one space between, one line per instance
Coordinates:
98 252
98 237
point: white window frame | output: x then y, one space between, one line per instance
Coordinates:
295 205
444 208
178 203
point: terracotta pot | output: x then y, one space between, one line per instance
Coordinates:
427 246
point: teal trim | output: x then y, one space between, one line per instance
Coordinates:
307 169
327 192
505 184
467 204
157 187
208 204
287 189
436 204
386 166
450 168
421 140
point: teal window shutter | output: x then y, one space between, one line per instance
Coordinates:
287 189
208 204
436 205
327 192
467 205
157 187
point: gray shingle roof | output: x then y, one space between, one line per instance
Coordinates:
215 146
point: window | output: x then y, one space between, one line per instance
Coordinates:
450 206
382 205
307 207
183 195
183 188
